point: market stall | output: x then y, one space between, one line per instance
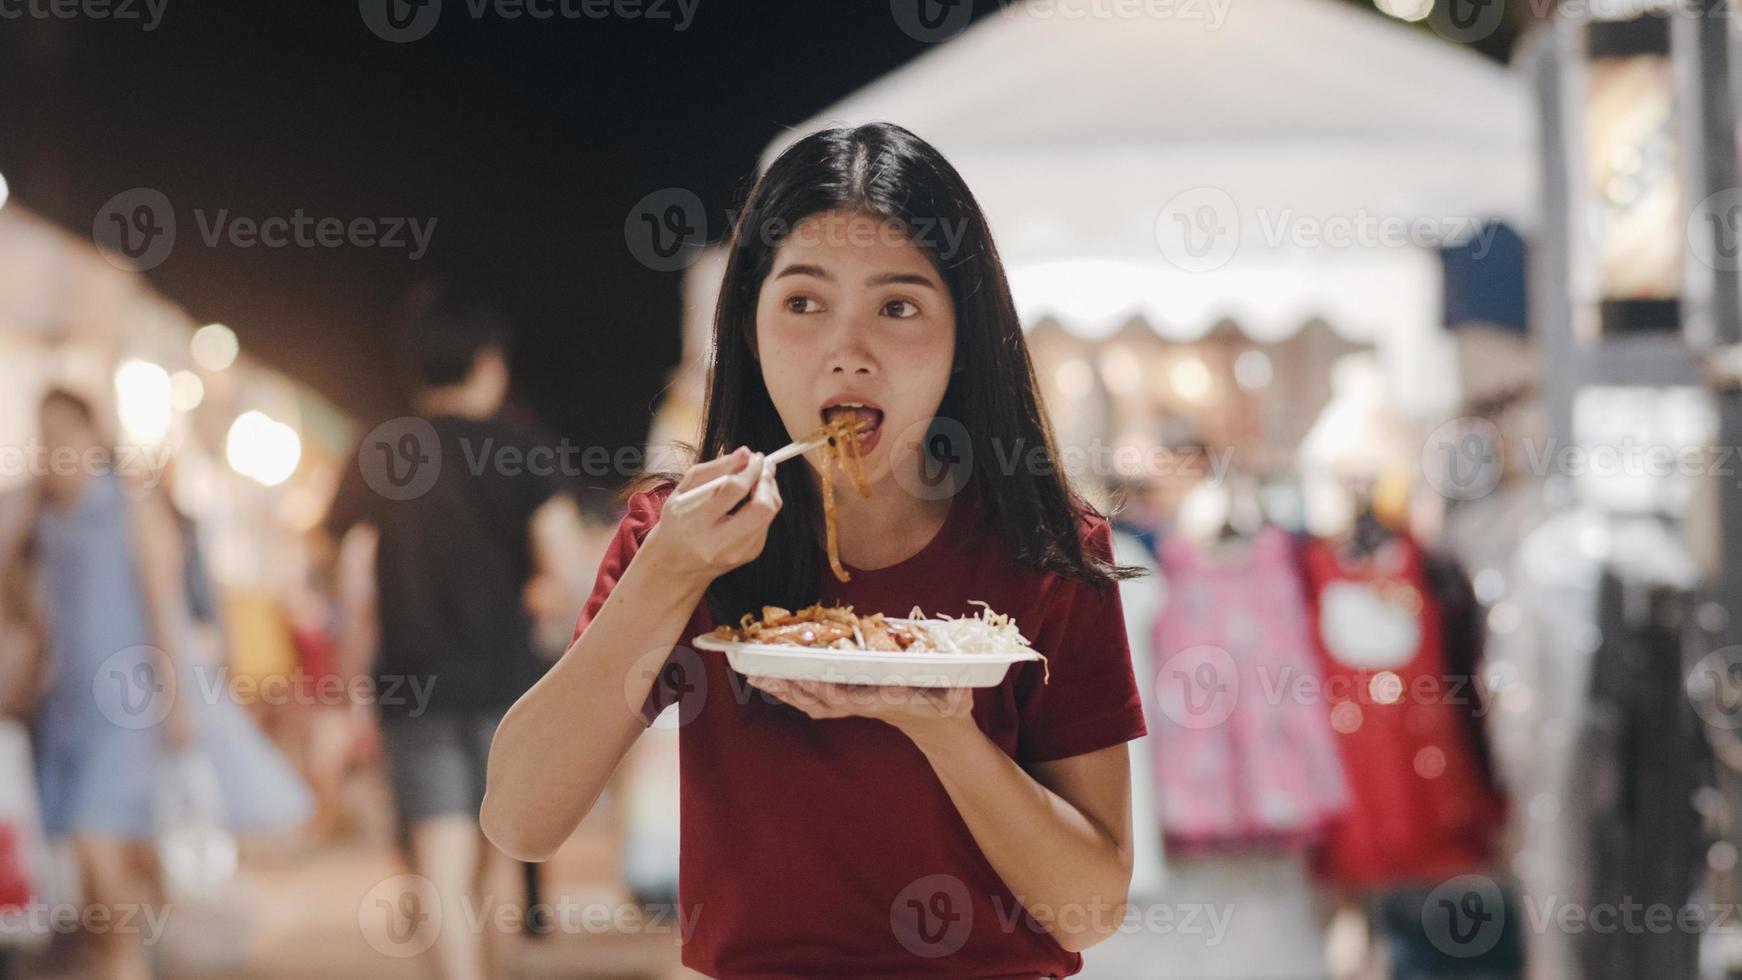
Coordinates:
1183 197
244 450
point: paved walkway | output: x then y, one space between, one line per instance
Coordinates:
306 912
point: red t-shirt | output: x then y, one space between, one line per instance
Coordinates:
829 848
1421 812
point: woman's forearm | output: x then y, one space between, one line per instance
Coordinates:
1067 872
558 745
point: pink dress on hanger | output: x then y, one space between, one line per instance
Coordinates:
1242 760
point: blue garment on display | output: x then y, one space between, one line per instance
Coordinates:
1485 280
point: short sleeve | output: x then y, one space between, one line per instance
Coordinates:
1090 701
640 517
353 503
543 476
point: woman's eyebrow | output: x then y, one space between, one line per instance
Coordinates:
901 278
800 269
881 279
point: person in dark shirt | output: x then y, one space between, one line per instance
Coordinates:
468 512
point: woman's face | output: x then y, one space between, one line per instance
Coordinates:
853 321
64 428
66 433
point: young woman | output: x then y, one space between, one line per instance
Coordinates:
839 831
118 679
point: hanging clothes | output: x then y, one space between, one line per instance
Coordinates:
1463 623
1645 758
1421 810
1573 693
1241 762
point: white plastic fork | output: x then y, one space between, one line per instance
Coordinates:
777 457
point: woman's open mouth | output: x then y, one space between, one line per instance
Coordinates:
868 418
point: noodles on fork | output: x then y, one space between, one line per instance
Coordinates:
841 450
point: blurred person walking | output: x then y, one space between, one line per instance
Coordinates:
474 532
115 689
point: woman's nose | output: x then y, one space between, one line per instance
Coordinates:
849 355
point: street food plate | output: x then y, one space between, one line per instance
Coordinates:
873 667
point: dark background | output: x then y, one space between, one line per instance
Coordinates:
528 141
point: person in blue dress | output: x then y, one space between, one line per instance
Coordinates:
123 684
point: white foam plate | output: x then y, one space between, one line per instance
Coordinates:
866 666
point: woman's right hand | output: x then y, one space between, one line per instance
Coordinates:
699 535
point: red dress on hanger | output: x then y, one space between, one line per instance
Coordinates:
1421 809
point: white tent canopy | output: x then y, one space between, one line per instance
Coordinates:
1292 159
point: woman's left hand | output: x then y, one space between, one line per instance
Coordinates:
910 709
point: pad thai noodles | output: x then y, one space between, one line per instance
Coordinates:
842 450
840 628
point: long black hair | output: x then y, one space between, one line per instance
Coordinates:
884 171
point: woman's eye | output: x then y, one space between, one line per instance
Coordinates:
802 304
901 309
